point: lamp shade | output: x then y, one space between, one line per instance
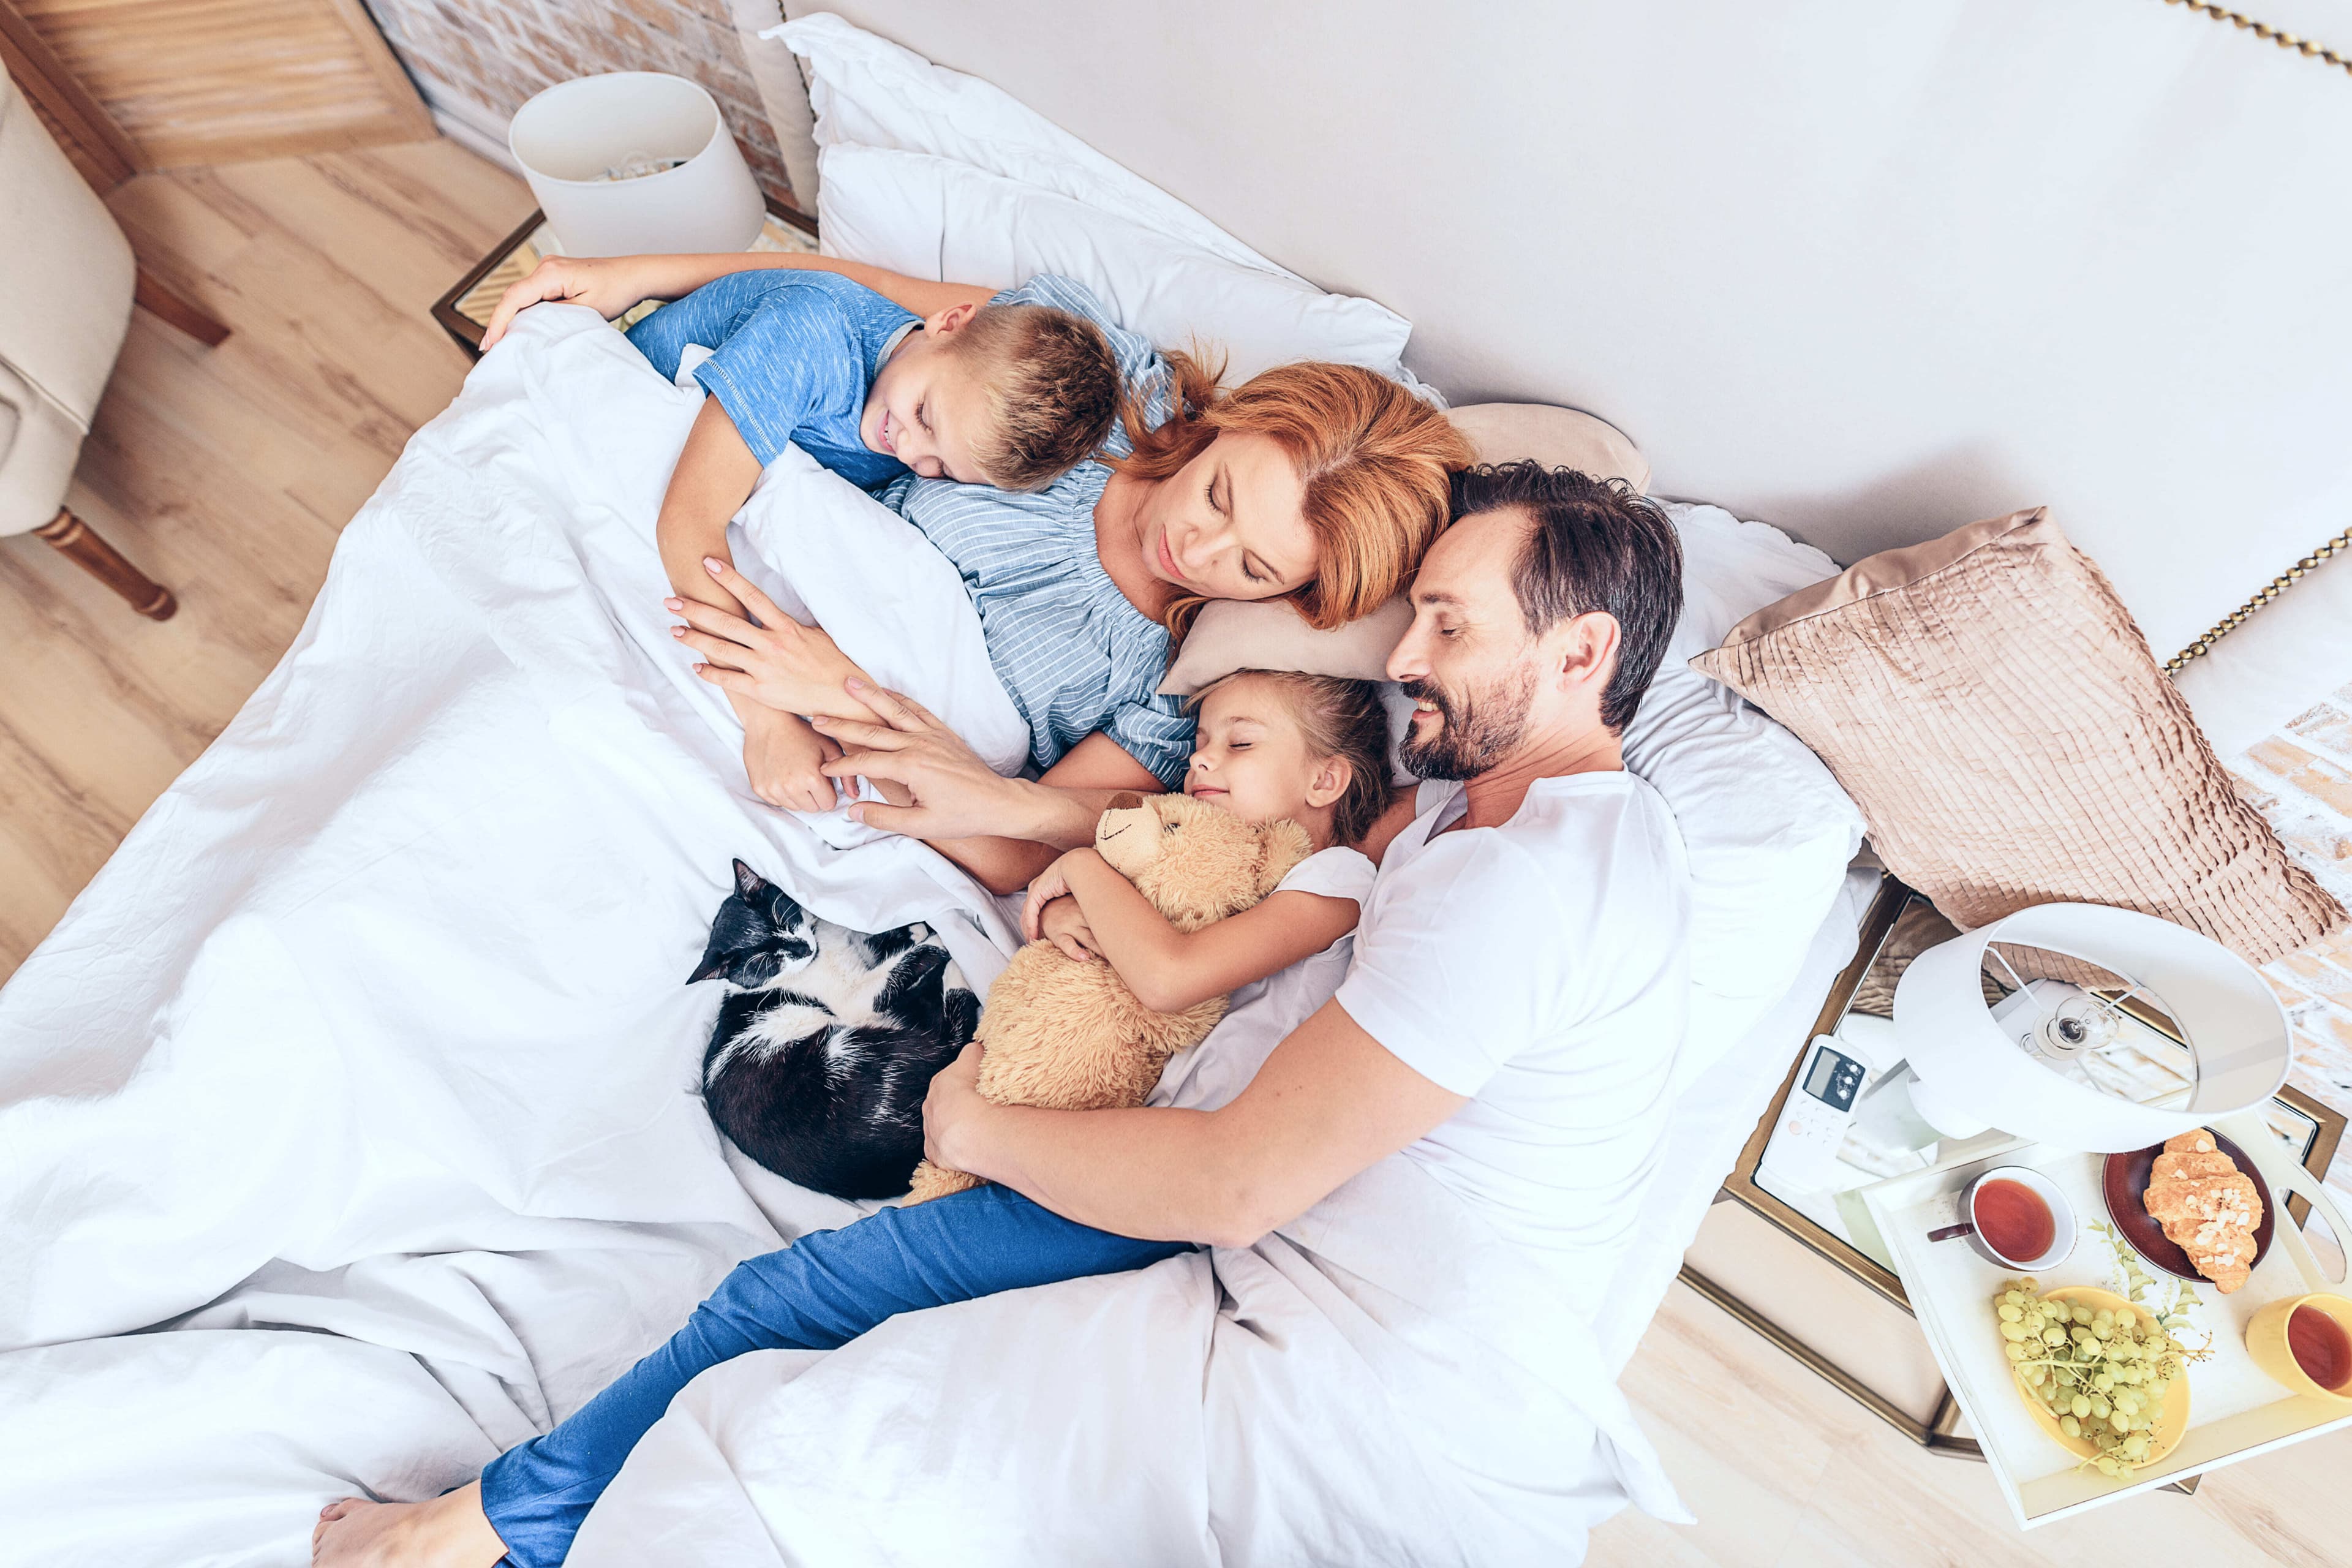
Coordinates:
632 162
2237 1045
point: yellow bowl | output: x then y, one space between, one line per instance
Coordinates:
2171 1422
2266 1342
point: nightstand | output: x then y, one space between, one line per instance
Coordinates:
465 310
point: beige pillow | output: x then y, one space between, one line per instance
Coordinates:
1556 438
1991 707
1228 635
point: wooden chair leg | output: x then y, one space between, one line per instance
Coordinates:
173 309
79 543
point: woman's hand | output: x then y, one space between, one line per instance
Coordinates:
953 1111
779 663
607 285
952 792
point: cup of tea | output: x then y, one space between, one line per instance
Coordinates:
2305 1344
2016 1217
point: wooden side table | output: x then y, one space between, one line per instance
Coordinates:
464 311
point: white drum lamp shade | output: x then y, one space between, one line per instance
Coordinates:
2236 1031
573 138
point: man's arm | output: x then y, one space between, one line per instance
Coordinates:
611 284
1329 1103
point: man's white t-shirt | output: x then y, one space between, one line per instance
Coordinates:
1541 968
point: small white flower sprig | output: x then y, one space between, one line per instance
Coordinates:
2175 1310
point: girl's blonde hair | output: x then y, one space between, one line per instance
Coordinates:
1375 462
1342 718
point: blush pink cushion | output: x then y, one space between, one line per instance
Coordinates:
1990 704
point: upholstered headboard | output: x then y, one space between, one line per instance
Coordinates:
1867 271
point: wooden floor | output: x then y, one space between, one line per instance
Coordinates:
226 475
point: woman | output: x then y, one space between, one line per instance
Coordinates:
1319 483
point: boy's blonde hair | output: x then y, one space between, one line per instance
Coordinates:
1052 392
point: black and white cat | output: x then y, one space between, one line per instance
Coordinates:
828 1040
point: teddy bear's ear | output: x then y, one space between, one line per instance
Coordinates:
1282 845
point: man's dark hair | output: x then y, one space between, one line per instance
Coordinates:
1596 545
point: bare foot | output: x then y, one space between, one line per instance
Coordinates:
450 1532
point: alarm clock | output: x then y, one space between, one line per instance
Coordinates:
1804 1147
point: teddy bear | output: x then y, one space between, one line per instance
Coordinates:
1066 1033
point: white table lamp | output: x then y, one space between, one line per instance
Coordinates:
632 162
2010 1067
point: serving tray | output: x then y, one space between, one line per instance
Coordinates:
2237 1410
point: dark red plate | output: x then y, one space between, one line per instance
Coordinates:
2126 1181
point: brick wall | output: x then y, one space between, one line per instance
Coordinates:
477 60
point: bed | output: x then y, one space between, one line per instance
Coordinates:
351 1120
351 1123
348 1117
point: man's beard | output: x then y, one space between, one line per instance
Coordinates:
1473 732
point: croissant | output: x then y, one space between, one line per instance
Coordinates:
2207 1207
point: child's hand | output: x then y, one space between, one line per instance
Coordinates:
1052 883
1064 925
605 284
784 759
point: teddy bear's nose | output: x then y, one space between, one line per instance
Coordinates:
1126 800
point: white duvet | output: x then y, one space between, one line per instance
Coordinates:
349 1131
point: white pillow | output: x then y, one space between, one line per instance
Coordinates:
932 217
939 175
871 92
1767 829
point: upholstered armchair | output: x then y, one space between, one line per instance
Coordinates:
67 280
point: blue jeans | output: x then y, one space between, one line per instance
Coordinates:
823 1291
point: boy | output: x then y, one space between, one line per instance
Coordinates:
1005 395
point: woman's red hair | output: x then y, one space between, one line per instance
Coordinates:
1375 462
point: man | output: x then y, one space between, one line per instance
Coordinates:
1508 1021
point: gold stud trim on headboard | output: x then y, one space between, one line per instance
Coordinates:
2285 40
2270 590
2342 542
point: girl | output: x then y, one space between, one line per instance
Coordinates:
1269 745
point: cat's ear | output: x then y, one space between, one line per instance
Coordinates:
713 962
747 880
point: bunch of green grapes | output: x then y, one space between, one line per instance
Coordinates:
2103 1375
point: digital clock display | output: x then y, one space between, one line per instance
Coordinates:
1833 1078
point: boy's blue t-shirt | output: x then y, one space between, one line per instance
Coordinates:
793 354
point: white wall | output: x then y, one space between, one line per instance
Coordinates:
1869 271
